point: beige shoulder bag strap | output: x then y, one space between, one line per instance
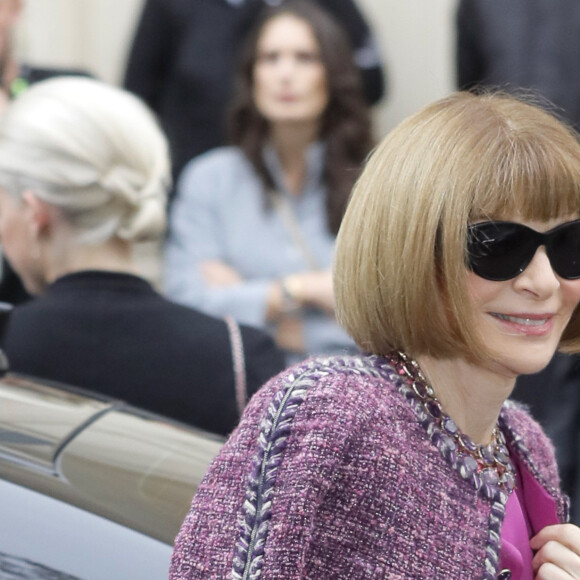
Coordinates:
284 209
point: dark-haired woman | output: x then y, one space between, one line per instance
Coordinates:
253 225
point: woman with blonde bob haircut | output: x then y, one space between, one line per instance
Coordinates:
465 159
84 172
457 269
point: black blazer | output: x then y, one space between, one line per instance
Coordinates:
553 397
112 333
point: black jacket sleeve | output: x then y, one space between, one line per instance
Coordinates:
562 398
262 357
470 62
366 50
553 397
153 51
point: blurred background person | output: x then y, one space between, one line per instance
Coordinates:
533 45
183 60
253 226
84 171
15 77
553 397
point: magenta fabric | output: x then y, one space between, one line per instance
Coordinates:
516 554
528 510
540 505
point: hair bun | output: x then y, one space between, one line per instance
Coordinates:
145 202
94 151
124 182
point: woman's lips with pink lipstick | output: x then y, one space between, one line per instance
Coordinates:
531 324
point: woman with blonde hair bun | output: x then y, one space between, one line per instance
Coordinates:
84 172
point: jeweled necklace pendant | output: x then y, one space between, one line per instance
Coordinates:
488 467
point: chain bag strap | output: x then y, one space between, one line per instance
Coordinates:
239 363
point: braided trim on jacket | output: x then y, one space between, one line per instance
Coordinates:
272 440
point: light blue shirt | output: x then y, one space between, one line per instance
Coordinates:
219 213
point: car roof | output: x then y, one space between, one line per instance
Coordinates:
100 454
37 419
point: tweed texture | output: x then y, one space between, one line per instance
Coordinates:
330 475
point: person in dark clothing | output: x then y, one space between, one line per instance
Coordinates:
553 397
522 44
183 60
83 174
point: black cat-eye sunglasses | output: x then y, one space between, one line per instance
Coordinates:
499 250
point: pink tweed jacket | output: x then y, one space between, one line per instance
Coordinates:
334 474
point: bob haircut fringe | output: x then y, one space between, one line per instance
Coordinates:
400 270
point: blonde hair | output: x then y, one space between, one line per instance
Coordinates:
93 151
400 264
